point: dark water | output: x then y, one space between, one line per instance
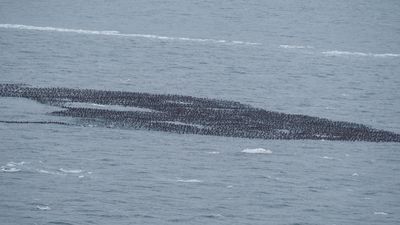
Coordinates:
339 60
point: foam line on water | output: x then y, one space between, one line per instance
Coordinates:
295 46
257 151
189 181
70 171
117 33
361 54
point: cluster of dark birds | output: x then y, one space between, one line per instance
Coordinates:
191 115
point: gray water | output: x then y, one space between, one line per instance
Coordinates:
338 60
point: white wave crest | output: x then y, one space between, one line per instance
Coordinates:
70 171
43 207
117 33
295 46
13 164
362 54
48 172
9 169
213 152
189 181
12 167
380 213
257 151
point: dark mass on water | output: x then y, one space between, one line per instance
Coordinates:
189 115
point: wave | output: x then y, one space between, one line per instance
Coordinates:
190 181
257 151
213 152
295 46
9 169
70 171
346 53
117 33
48 172
43 207
13 164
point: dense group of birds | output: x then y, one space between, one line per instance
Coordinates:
191 115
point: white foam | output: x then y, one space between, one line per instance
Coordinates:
214 152
295 46
257 151
117 33
13 164
326 157
9 169
189 181
361 54
48 172
70 171
380 213
43 207
355 174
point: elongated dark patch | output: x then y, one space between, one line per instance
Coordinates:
191 115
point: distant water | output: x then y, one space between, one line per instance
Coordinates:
338 60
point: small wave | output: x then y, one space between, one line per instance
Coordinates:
213 153
48 172
12 167
380 213
9 169
257 151
117 33
13 164
43 207
70 171
295 46
190 181
361 54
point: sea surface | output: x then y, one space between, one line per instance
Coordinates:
334 59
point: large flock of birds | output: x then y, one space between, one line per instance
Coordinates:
189 115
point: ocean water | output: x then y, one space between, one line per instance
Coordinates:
338 60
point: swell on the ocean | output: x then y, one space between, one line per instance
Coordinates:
117 33
362 54
336 53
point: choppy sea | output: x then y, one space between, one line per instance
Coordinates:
334 59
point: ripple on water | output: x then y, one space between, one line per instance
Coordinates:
190 181
257 151
43 207
9 169
70 171
380 213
